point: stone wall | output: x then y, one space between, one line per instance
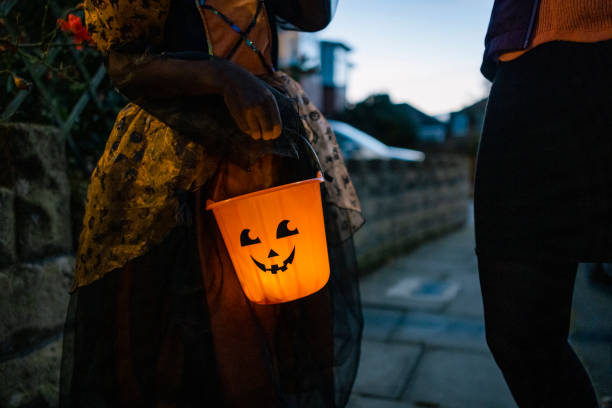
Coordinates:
406 203
35 262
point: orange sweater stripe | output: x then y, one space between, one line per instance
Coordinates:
569 20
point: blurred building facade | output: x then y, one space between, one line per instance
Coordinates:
429 130
467 121
322 68
464 127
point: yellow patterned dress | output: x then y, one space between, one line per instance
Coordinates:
131 201
157 317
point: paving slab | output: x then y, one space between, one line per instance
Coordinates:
468 301
385 368
423 286
442 331
424 332
456 248
363 402
591 333
432 263
424 289
375 288
379 324
597 358
591 307
449 379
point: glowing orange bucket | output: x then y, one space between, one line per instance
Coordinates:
276 240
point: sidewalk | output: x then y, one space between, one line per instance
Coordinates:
424 342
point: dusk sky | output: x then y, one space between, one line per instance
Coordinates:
424 52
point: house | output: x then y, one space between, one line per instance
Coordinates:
334 72
467 121
464 127
429 130
320 66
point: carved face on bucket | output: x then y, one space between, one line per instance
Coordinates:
272 261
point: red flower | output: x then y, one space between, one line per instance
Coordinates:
78 30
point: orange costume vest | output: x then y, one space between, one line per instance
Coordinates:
239 31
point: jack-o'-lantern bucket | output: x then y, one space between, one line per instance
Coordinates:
276 240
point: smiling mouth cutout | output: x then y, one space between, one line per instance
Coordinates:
275 268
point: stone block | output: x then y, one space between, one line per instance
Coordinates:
354 167
377 166
33 302
7 227
43 223
35 168
33 380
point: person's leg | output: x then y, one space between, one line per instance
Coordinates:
527 308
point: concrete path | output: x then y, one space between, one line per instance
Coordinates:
424 342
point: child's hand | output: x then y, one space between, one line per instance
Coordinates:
248 99
252 105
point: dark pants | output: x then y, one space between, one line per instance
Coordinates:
527 308
542 199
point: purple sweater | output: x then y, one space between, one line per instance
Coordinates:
510 29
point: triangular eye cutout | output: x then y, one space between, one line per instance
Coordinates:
283 231
245 240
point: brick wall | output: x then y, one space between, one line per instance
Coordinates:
406 203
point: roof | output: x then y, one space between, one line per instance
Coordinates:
420 118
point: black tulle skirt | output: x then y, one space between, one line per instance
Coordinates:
544 173
171 330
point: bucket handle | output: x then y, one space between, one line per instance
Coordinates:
313 154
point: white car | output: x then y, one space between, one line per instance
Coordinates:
356 144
